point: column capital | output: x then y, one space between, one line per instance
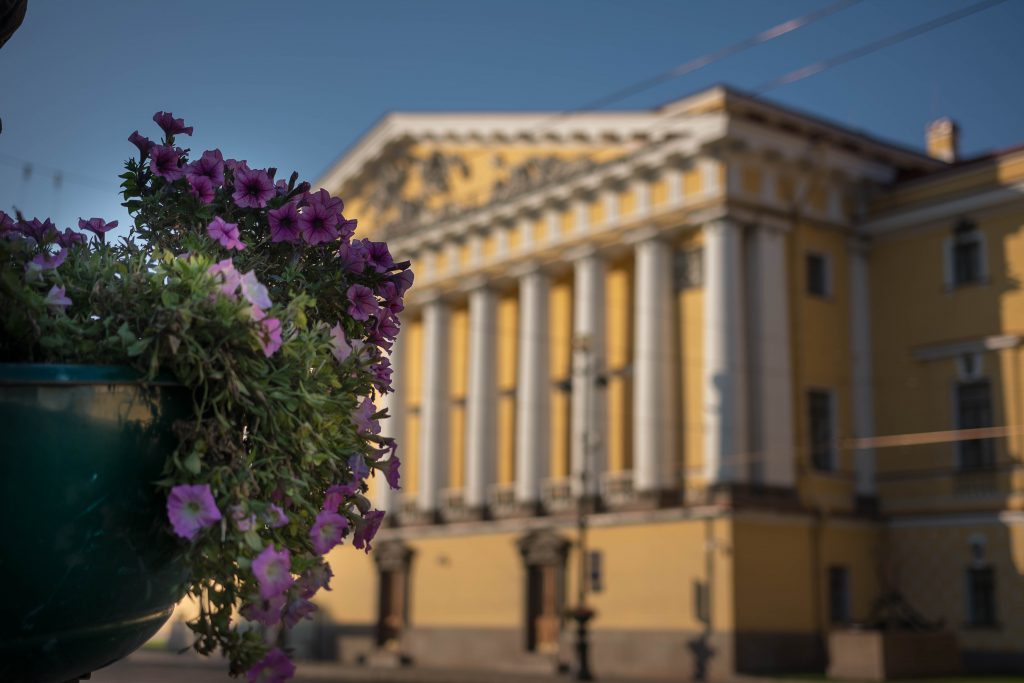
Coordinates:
427 297
474 282
582 251
531 267
648 233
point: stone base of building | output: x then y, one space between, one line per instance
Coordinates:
863 655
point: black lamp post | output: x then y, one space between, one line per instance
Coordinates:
582 614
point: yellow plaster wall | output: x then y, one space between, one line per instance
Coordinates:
596 210
659 192
691 182
508 312
643 594
412 379
690 336
627 202
560 350
751 179
619 353
458 355
820 330
355 588
929 564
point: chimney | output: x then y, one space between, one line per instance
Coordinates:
942 139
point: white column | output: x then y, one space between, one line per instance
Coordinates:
434 405
533 387
863 389
481 396
771 392
725 424
394 427
654 368
589 428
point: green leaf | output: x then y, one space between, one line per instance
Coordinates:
192 463
252 539
138 347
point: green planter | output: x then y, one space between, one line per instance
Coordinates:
88 569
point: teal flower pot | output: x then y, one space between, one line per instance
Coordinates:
88 569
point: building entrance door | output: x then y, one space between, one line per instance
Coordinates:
544 618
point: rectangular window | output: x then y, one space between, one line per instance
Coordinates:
981 596
689 269
839 595
821 414
818 275
974 411
967 257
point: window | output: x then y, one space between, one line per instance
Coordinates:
821 414
973 411
839 595
689 269
966 256
818 275
981 596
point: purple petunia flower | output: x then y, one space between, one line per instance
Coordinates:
164 163
284 223
210 166
271 332
314 579
341 348
57 298
46 261
275 517
252 188
191 508
378 256
391 472
254 292
388 291
297 610
352 257
96 225
230 277
367 528
266 612
327 531
171 125
243 522
363 417
347 228
403 280
337 493
201 187
318 224
323 198
382 374
41 232
234 165
69 237
357 463
361 302
225 233
6 222
273 571
143 143
387 327
274 668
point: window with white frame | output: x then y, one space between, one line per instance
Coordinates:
974 411
965 256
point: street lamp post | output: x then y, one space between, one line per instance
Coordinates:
583 614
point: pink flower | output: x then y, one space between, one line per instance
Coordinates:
254 292
327 531
230 277
191 508
318 224
266 612
337 493
201 187
164 163
273 571
275 517
96 225
171 125
271 332
341 349
46 261
367 528
274 668
209 166
57 298
361 302
243 522
225 233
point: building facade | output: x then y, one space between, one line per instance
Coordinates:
780 359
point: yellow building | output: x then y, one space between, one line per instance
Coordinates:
745 333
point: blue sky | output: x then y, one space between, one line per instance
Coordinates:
293 84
